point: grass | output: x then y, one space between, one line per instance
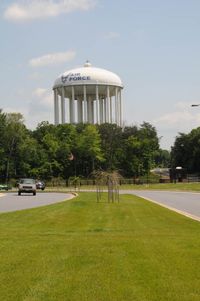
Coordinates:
165 186
193 186
82 250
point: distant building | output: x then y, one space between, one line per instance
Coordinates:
88 95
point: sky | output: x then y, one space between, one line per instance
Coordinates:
153 46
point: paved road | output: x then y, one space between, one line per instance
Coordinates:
12 202
187 203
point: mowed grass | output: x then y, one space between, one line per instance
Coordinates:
87 251
193 186
165 186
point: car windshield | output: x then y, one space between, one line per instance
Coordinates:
27 181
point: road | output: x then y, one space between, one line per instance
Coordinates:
186 203
12 202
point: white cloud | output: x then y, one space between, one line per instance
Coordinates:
182 105
43 98
52 59
112 35
36 75
174 118
38 109
182 119
39 9
22 111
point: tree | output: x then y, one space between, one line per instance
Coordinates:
66 150
186 151
131 164
15 134
2 141
112 145
89 152
140 146
162 158
67 136
30 158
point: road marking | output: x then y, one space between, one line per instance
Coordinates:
197 218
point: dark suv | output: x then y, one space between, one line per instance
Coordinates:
27 185
40 185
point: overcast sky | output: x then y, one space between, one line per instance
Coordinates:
153 45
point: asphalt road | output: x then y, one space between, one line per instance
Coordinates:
187 203
12 202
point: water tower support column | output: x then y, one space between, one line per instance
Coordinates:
63 105
56 107
97 104
85 104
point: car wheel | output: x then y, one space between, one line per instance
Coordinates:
19 193
34 193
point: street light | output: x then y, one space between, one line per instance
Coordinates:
195 105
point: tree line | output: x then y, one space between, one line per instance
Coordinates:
186 151
67 150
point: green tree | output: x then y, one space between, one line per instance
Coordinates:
68 150
162 158
15 134
66 135
186 151
89 152
112 145
140 147
30 158
132 164
2 141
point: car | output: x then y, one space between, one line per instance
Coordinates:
4 187
27 185
40 185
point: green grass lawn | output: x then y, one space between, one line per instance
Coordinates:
163 186
80 250
194 186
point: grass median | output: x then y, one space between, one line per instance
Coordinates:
88 251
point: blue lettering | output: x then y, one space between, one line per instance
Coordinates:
74 77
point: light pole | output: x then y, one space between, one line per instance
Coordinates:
195 105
